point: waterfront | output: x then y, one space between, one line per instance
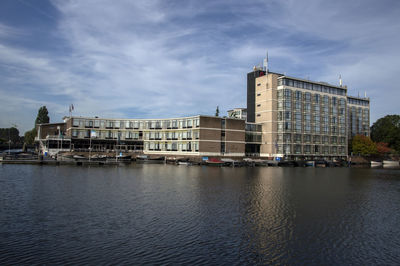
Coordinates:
166 214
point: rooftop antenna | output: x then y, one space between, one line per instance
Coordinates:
265 63
340 80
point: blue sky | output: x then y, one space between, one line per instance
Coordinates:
143 59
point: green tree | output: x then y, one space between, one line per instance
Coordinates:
387 129
217 111
29 137
11 133
363 145
42 116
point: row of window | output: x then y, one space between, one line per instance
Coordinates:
153 124
288 115
311 149
288 94
306 107
172 146
136 135
310 86
298 138
309 128
358 101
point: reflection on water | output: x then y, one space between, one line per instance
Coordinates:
158 214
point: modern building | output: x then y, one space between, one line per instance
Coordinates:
197 135
357 116
303 119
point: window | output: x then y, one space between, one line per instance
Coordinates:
307 96
298 95
307 107
287 94
298 127
317 98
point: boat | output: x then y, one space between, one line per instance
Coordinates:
214 162
376 164
148 159
320 163
390 163
124 158
79 157
287 163
309 164
184 163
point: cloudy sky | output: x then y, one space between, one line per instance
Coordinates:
143 59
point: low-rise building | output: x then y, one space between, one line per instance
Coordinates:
197 135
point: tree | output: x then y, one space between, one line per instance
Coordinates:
11 133
217 111
29 137
383 148
42 116
363 145
387 129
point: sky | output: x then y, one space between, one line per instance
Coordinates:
160 59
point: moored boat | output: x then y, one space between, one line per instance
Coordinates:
376 164
309 164
390 163
214 162
148 159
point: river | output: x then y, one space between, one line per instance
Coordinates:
164 214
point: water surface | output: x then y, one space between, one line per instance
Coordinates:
165 214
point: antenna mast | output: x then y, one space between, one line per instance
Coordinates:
265 63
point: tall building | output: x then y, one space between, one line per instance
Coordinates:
303 119
358 116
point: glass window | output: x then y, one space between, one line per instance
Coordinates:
316 98
307 96
298 95
287 94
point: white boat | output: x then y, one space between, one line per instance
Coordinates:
391 163
376 164
184 163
